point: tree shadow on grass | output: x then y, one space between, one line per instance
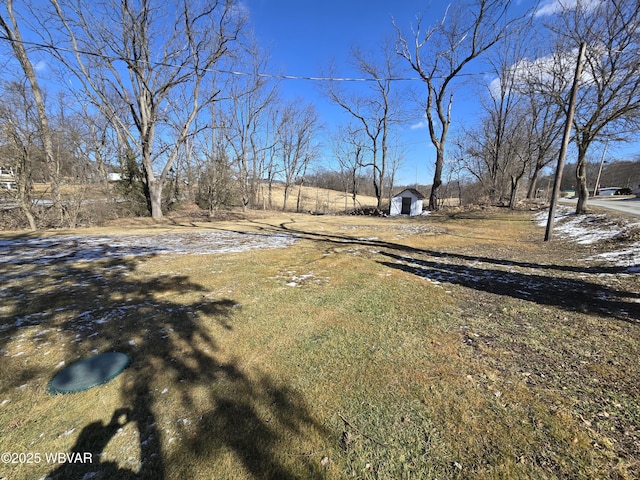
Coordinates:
343 240
212 405
565 292
249 423
551 284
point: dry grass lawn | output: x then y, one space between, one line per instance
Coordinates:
433 347
317 200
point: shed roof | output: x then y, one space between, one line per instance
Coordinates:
415 192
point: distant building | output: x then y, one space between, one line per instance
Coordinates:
7 178
407 202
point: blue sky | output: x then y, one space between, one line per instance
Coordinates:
304 36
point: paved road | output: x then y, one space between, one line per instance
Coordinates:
9 204
628 205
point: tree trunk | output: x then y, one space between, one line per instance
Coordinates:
513 197
155 198
299 201
52 164
354 195
286 197
24 200
581 181
29 216
533 182
376 188
244 173
437 180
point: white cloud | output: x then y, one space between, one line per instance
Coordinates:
40 66
553 7
494 87
549 71
420 124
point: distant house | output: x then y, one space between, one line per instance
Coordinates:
7 178
407 202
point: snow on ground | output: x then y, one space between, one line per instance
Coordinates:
583 229
66 249
32 258
592 228
29 257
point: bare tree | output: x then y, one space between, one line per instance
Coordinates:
245 123
18 135
297 127
503 119
145 65
348 148
520 131
439 56
543 129
11 29
215 177
394 162
215 184
376 112
608 106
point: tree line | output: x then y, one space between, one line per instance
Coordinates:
179 103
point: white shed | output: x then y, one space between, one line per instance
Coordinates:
407 202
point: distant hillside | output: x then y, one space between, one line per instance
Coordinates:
316 200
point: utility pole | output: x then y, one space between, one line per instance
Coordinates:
565 143
596 188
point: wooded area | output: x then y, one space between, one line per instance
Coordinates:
153 106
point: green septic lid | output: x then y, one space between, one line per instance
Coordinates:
87 373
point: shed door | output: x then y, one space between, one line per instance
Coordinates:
406 206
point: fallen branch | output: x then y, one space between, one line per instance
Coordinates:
360 432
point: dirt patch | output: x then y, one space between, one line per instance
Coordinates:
629 235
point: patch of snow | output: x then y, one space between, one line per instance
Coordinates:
583 229
628 257
68 249
419 229
589 229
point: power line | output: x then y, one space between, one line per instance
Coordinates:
274 76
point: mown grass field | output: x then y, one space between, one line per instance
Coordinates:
434 347
312 199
